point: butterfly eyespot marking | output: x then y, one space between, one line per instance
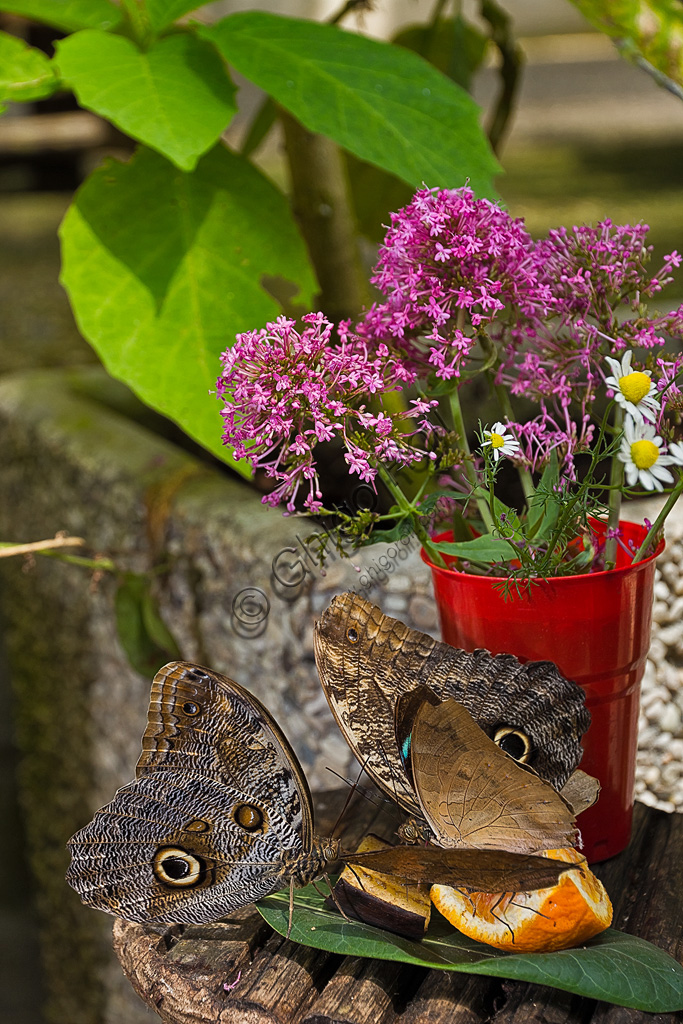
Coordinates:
352 635
250 818
178 869
191 708
514 742
197 825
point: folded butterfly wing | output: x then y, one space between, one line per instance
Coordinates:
474 795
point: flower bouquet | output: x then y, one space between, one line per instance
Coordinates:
524 502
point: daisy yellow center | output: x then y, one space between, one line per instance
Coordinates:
497 440
634 386
644 454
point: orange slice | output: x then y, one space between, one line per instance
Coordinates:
567 914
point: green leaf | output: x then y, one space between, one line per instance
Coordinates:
481 549
163 12
614 967
453 45
25 73
545 506
67 15
396 533
176 97
381 102
163 268
649 33
141 630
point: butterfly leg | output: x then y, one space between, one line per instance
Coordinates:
291 907
523 906
334 898
502 919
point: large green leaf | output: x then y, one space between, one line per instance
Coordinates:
164 12
163 268
67 15
25 73
383 103
616 967
176 97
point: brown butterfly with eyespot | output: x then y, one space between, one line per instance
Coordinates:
376 671
220 814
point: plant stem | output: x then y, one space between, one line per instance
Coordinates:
322 207
135 14
411 513
507 411
659 521
616 481
470 472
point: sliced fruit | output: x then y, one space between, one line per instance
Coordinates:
382 900
567 914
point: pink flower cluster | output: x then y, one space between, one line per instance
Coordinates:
463 287
449 264
597 275
285 391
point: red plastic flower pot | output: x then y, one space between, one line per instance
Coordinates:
596 628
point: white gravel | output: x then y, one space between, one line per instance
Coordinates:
659 771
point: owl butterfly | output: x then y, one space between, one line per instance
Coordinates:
375 672
220 814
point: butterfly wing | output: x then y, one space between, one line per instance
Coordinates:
366 660
473 794
474 870
219 798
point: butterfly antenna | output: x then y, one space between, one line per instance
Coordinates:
354 785
349 797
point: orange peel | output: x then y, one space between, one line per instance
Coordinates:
567 914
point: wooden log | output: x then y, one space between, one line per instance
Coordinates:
238 972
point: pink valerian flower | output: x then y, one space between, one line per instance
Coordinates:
544 434
594 274
287 390
449 264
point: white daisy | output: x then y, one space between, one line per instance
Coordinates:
633 389
643 458
500 441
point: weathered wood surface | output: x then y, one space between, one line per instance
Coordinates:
239 972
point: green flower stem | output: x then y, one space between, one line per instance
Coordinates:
459 427
508 413
507 410
96 564
616 483
659 521
410 512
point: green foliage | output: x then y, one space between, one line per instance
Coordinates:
25 73
614 967
143 634
174 97
159 314
384 104
67 15
647 32
166 258
452 45
164 12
